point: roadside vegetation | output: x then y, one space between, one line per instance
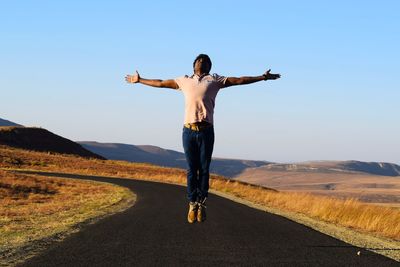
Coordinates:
367 218
34 208
376 220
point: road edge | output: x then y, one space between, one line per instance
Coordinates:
385 247
18 255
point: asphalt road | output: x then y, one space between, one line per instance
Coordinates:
154 232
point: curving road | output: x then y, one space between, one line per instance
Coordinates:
154 232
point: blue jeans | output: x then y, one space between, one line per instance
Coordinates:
198 147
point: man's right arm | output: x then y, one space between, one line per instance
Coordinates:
135 78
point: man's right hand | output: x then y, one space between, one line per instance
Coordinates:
135 78
132 78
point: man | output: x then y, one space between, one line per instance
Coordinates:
200 91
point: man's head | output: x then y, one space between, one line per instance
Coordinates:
202 64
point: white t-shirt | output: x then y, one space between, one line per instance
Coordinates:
200 94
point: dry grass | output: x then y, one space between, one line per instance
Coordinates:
380 221
368 188
18 158
33 207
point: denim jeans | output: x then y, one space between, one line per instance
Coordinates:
198 147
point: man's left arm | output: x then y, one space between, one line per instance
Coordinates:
230 81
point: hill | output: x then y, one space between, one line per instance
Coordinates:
39 139
366 181
378 168
233 167
166 157
8 123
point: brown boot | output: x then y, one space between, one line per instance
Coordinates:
192 214
201 211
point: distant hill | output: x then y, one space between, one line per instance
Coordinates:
378 168
233 167
366 181
166 157
8 123
39 139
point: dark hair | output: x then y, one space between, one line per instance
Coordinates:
204 57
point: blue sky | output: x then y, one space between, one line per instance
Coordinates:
63 65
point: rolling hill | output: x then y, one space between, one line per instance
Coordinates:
8 123
39 139
366 181
166 157
375 182
233 167
378 168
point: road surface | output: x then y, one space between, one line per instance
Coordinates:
154 232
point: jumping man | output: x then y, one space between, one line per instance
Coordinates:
200 91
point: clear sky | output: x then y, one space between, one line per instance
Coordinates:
63 64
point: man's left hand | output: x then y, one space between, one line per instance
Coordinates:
270 76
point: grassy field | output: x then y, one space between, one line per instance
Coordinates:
376 220
34 208
368 188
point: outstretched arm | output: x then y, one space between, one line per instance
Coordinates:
135 78
230 81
